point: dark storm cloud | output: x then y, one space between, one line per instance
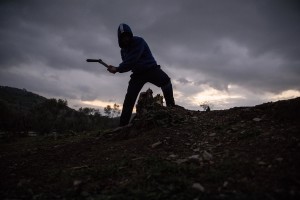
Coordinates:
209 38
59 33
249 43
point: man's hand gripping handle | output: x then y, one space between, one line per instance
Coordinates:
110 68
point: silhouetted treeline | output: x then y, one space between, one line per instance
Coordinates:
43 115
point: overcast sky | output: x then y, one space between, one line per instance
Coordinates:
225 53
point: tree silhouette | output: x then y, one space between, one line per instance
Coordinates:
108 110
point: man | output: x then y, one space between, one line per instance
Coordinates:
137 57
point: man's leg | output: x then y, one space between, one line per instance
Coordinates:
134 87
168 94
159 78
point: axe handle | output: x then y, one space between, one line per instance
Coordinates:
97 60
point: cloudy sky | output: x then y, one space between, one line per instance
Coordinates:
223 53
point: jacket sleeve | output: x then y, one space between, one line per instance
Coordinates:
132 56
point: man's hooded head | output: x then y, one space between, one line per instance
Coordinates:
124 35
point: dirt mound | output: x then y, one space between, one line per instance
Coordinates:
172 153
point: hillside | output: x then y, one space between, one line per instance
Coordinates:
19 99
168 153
23 112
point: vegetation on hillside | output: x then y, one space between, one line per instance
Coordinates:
23 112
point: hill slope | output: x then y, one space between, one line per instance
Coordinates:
23 112
240 153
19 99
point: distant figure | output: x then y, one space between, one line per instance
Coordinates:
137 57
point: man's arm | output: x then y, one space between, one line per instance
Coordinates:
133 56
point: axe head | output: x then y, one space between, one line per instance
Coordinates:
94 60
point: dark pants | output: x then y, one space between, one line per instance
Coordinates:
155 76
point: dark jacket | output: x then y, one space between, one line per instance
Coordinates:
137 56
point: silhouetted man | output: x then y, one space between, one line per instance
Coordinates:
137 57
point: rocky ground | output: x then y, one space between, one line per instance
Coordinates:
168 153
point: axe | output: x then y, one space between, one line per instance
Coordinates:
98 61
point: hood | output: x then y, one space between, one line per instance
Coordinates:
123 28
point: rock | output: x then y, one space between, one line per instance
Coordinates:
257 119
77 183
225 184
173 156
156 144
262 163
180 161
207 156
145 99
150 112
79 167
194 157
279 159
212 134
198 186
138 158
158 99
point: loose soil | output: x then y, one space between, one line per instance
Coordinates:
240 153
